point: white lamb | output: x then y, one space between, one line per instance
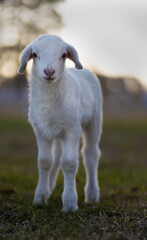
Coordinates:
63 104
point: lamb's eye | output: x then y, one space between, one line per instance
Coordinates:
64 55
34 55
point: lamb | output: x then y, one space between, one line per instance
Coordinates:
64 104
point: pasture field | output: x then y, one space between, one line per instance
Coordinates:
122 210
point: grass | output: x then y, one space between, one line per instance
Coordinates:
122 211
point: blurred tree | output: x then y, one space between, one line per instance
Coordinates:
20 22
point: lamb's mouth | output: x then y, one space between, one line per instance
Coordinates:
49 79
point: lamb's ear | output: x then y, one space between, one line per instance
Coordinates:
26 56
73 55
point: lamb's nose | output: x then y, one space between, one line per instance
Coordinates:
49 72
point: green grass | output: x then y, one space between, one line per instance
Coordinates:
122 211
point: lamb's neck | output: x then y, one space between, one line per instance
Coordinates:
51 94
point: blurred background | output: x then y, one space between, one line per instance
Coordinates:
109 35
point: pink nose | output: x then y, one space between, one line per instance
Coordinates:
49 72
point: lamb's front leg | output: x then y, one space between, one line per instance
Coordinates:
42 192
69 163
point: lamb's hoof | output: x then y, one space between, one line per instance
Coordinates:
70 209
92 195
41 198
38 201
69 203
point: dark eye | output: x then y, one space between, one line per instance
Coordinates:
34 55
64 55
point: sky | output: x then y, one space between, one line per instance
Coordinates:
110 35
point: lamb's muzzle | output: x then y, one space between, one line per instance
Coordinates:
49 74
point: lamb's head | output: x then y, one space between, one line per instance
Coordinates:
48 53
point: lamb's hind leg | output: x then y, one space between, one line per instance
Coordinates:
91 154
56 153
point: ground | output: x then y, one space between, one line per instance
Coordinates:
122 210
